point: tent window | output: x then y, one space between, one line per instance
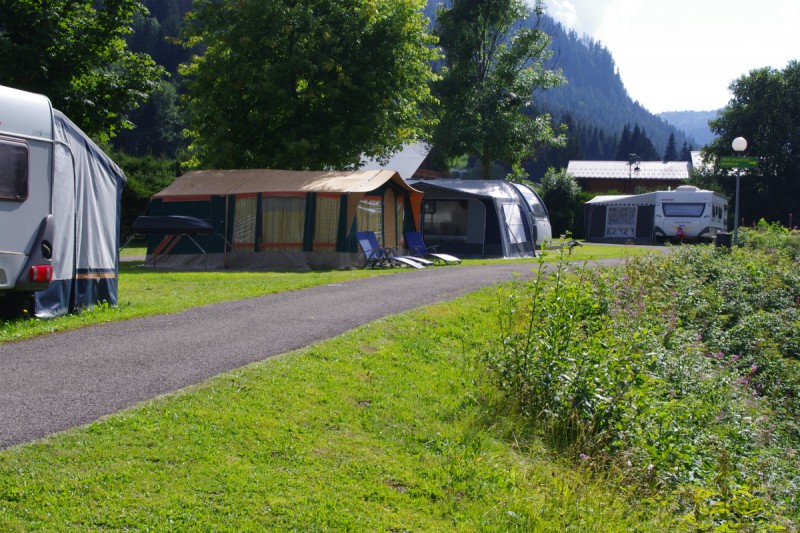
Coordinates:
370 215
515 223
326 224
244 222
683 210
282 223
621 221
400 213
536 205
13 170
446 217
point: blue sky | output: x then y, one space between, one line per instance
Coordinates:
682 55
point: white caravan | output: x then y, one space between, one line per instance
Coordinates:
59 211
689 213
26 184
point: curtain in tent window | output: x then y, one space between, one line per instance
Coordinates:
621 221
370 215
244 223
326 225
283 220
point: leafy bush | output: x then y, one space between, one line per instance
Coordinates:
679 371
771 237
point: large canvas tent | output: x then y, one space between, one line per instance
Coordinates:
477 218
86 196
281 219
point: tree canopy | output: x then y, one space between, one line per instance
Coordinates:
491 69
306 84
74 52
764 110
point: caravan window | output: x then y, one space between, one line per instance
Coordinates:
13 170
683 210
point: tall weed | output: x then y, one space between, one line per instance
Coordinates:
681 371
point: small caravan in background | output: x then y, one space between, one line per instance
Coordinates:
687 213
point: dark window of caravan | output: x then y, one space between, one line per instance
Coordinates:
683 210
13 170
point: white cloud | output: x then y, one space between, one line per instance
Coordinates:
682 55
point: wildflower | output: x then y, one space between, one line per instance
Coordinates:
735 357
583 457
754 368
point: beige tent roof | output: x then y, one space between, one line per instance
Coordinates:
226 182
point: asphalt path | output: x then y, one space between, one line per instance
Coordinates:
54 382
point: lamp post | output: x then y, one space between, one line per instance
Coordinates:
739 145
633 166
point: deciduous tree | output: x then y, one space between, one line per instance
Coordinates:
492 67
764 110
307 84
74 52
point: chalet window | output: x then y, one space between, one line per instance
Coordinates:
13 170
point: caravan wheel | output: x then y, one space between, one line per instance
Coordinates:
16 305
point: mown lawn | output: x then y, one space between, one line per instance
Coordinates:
391 427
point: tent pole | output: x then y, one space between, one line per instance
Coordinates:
225 232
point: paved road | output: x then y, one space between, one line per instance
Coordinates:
54 382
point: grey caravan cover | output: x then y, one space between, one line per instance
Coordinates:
87 191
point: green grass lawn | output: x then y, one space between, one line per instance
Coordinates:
390 427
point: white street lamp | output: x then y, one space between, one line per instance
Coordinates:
739 145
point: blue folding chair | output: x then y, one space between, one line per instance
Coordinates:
378 256
416 245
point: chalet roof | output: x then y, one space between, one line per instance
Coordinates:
648 170
407 162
